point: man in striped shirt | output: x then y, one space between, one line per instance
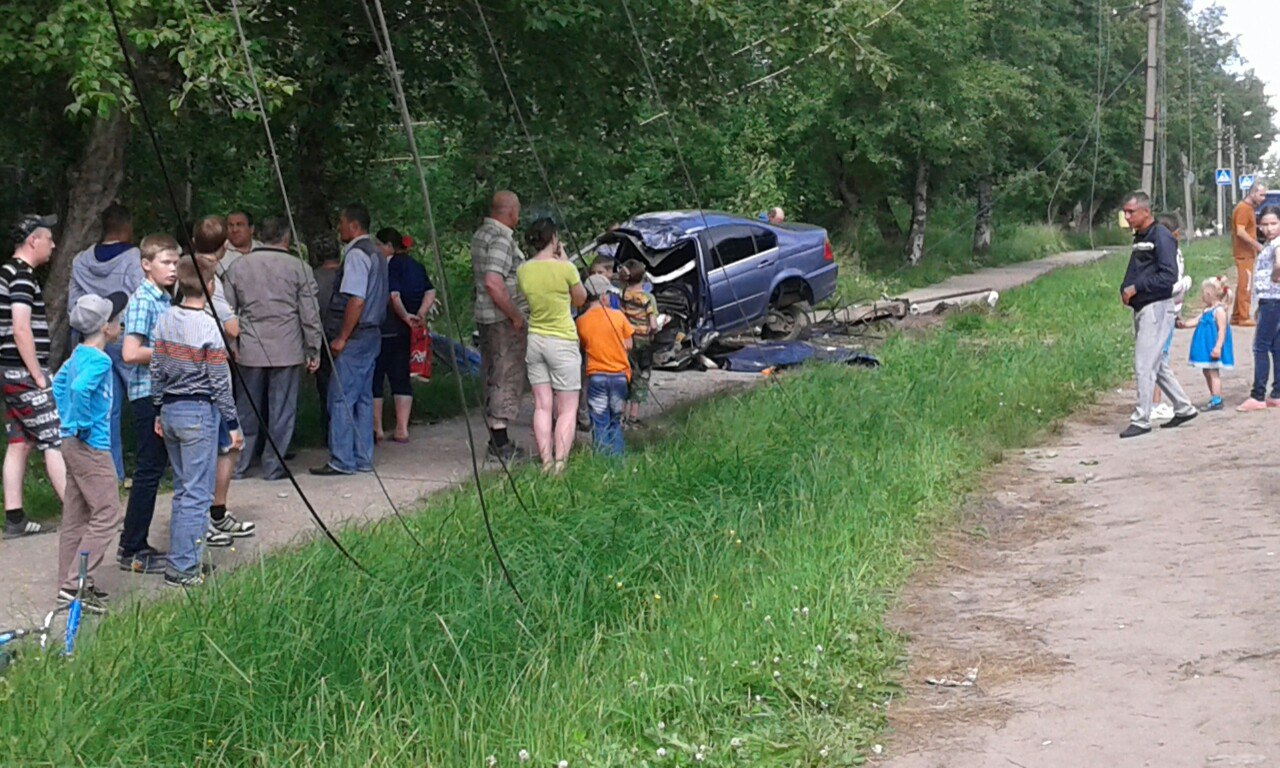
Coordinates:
24 370
191 386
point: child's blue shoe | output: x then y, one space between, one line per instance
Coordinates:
1215 404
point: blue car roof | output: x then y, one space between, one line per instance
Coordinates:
662 230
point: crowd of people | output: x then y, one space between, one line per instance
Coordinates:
208 336
1154 287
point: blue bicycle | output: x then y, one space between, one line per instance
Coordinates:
12 639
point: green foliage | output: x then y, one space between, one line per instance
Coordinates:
723 587
823 108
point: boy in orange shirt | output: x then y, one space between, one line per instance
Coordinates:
606 338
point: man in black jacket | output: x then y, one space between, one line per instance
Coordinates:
1148 291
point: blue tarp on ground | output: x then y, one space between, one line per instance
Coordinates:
455 354
787 354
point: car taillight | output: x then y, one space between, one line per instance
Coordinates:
827 253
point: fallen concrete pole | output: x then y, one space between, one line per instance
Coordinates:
938 304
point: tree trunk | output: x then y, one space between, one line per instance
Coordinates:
849 198
886 222
919 214
982 224
316 197
1079 221
92 185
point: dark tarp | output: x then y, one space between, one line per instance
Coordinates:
788 354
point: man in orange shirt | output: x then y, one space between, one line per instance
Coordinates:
1245 248
606 336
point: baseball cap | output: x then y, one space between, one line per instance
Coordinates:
28 224
597 286
91 311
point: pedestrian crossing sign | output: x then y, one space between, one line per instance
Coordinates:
1224 177
1246 181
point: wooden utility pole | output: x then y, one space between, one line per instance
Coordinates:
1149 120
1188 178
1231 155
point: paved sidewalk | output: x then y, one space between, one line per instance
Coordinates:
437 459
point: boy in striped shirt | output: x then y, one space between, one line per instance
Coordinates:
191 387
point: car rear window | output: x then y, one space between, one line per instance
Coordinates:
731 244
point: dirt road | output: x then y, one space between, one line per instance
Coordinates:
1119 600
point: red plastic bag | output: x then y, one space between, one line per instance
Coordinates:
420 353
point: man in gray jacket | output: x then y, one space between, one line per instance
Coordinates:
274 294
111 265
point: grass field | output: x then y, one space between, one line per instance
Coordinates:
718 593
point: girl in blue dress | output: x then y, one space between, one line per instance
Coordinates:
1211 345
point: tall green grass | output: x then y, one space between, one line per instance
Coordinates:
719 594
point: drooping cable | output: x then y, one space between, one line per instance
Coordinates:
383 48
533 150
177 211
693 187
397 87
349 411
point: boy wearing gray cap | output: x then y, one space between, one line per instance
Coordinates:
85 390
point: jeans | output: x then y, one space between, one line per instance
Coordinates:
121 371
606 399
151 459
275 393
1151 327
1266 350
351 403
191 437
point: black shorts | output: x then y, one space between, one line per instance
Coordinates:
393 364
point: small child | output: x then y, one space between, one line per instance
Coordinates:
642 310
606 267
84 390
605 335
191 387
1211 349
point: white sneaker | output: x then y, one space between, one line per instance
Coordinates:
1163 412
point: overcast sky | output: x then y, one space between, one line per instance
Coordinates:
1255 23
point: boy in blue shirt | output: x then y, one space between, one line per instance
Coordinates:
84 390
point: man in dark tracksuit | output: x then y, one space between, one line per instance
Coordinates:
1148 290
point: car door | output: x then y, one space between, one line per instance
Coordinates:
740 267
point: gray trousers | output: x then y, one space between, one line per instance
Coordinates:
1151 327
275 392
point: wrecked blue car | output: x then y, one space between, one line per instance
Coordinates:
715 274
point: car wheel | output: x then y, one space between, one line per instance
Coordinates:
788 323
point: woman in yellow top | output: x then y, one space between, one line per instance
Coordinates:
551 285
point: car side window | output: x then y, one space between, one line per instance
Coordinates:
766 239
730 245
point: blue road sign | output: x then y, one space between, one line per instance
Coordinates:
1246 181
1223 177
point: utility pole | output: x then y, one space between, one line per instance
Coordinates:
1218 111
1188 178
1231 153
1149 119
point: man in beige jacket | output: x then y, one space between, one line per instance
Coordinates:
274 294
